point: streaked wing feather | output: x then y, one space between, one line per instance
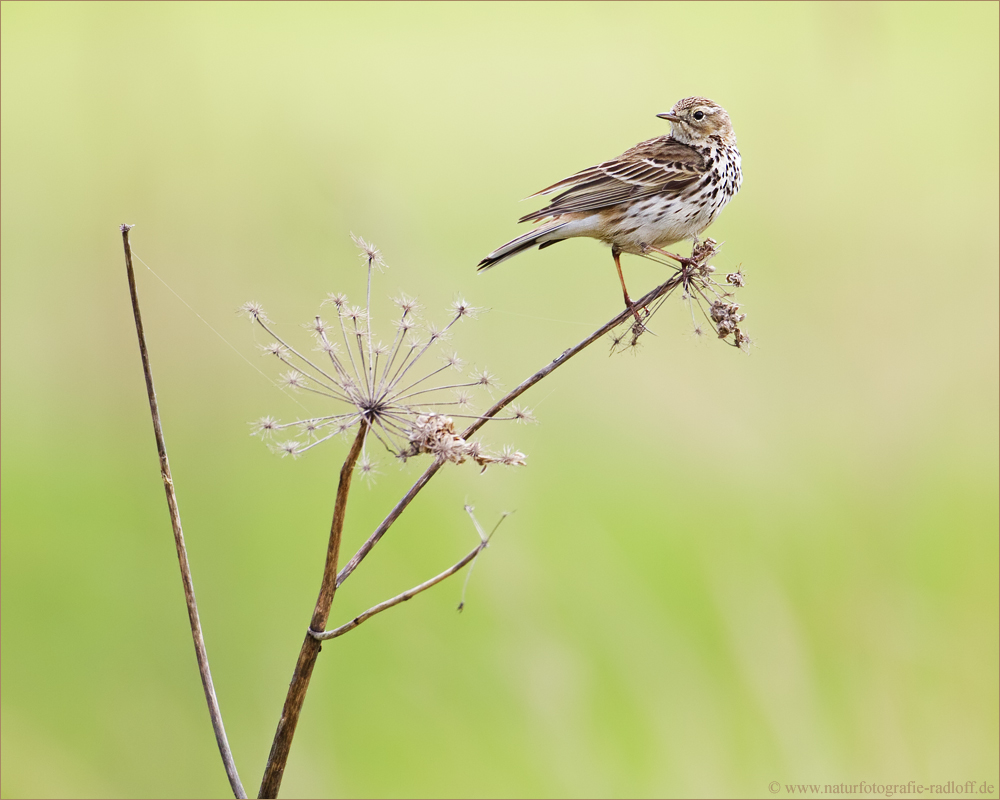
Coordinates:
649 173
661 164
579 177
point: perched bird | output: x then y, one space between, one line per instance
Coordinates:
658 193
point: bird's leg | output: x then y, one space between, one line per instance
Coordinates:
616 254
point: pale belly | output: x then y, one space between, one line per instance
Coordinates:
656 222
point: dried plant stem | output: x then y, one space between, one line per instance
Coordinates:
496 408
332 580
175 521
399 598
281 746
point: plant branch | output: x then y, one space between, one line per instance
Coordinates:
281 746
497 407
559 360
399 598
175 521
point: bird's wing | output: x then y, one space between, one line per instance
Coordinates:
661 164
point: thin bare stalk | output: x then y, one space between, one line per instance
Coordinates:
175 521
399 598
495 409
281 746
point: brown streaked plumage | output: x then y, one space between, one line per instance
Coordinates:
659 192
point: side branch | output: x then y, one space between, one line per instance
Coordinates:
282 744
399 598
175 521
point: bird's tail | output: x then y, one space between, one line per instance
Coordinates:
543 237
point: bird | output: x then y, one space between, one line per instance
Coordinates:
658 193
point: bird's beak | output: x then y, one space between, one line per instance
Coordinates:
669 116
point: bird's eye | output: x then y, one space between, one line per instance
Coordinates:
698 115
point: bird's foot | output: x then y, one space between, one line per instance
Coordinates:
636 310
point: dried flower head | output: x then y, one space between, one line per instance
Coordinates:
737 278
274 349
254 311
522 414
407 305
337 299
369 253
317 325
290 448
510 457
264 427
704 295
486 379
367 468
465 309
310 428
294 379
381 385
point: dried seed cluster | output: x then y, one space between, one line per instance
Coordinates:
727 318
714 301
435 434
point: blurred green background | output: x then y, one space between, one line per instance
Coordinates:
722 570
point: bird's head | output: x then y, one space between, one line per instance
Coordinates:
695 119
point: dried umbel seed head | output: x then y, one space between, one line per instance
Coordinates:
294 379
265 427
275 349
465 309
254 311
366 468
389 389
290 448
486 379
407 305
370 254
310 428
521 414
317 326
705 295
336 299
510 457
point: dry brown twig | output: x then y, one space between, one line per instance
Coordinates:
484 541
175 520
396 408
311 646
